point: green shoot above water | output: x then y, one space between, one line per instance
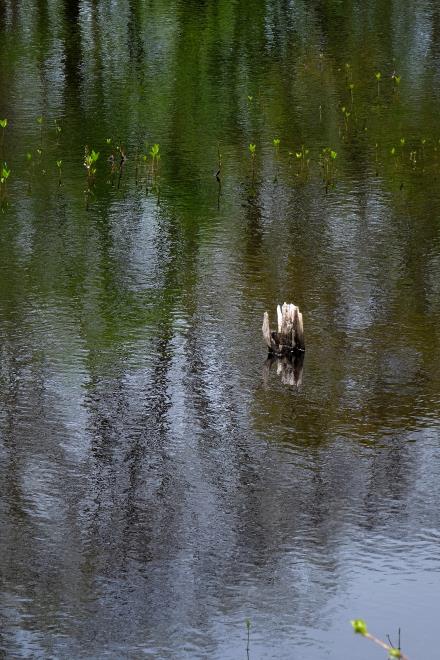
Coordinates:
360 628
90 159
5 172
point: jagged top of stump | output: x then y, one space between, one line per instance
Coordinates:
289 338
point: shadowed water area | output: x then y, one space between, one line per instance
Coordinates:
159 483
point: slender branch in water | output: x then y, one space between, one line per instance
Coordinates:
219 163
122 161
276 146
59 166
219 193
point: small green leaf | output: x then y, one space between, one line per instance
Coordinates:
248 623
276 142
5 172
359 626
59 163
252 148
3 123
40 120
154 151
378 75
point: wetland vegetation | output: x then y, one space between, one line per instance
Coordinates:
371 123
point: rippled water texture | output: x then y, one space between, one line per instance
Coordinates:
160 481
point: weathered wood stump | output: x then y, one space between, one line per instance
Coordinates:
289 339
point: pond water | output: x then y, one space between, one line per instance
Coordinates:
159 483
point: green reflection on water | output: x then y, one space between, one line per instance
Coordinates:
140 315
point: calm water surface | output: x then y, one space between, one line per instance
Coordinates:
159 483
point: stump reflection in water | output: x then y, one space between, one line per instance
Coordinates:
289 368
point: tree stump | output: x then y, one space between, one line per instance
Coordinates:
289 339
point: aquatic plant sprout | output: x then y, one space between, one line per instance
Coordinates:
5 173
378 77
351 88
154 152
248 629
4 176
3 124
328 157
252 151
347 114
90 159
360 628
155 157
301 157
396 79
